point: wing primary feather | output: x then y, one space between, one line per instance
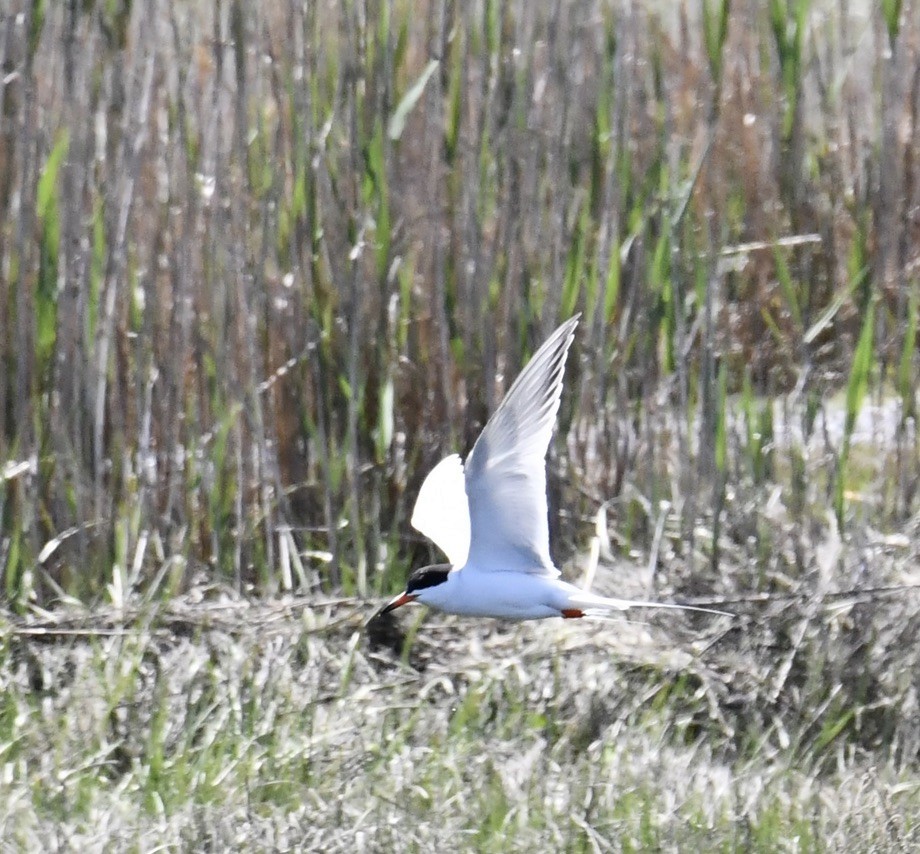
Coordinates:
506 470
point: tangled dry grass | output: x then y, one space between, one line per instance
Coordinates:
291 725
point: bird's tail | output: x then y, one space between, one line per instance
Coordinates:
591 604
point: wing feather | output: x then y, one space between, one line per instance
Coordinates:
506 470
442 512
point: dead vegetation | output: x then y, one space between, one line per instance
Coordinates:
262 264
282 727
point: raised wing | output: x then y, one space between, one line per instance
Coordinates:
442 512
506 470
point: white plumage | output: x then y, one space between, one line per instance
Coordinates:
490 515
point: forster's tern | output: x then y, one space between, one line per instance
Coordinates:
490 515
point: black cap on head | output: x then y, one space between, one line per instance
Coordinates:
421 579
427 576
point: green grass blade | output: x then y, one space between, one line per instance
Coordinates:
891 12
715 31
721 444
575 267
859 373
906 383
787 285
46 295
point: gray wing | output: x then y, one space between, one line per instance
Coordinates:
506 470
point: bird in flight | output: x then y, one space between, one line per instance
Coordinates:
489 515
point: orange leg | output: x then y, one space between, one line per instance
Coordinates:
572 613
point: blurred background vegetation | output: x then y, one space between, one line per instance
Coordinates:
261 265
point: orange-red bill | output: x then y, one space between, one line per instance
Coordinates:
572 613
399 601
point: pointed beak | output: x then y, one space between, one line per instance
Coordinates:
398 602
